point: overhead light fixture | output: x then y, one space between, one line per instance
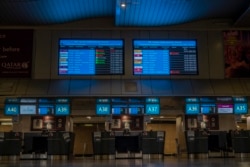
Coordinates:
5 119
6 123
88 125
123 4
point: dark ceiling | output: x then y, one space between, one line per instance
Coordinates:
137 13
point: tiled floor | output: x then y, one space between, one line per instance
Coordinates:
165 162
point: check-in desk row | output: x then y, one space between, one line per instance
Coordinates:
128 145
241 142
217 143
36 145
10 143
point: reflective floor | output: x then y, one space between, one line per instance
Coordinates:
165 162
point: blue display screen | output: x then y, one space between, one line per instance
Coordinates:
192 100
11 109
240 108
62 109
152 109
207 100
119 109
90 57
152 100
27 109
116 111
239 99
103 109
103 100
46 100
45 109
12 100
208 108
165 57
192 109
136 109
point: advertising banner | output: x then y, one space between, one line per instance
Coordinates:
237 53
16 53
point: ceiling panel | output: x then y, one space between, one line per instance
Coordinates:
169 12
136 13
37 12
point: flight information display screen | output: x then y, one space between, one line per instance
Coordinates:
90 57
165 57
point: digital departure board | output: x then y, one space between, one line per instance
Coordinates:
90 57
165 57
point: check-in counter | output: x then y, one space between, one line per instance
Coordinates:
49 145
202 143
153 144
10 144
220 144
103 145
241 142
197 143
134 144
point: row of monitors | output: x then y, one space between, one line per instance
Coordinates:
32 100
37 109
106 57
107 109
212 108
220 99
128 100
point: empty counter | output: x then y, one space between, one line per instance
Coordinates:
153 144
60 144
220 144
197 143
10 143
241 142
128 146
47 145
103 145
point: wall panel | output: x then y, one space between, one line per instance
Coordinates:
210 51
42 59
215 54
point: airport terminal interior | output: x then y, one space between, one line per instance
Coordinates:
124 83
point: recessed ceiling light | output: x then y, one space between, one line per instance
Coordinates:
123 5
